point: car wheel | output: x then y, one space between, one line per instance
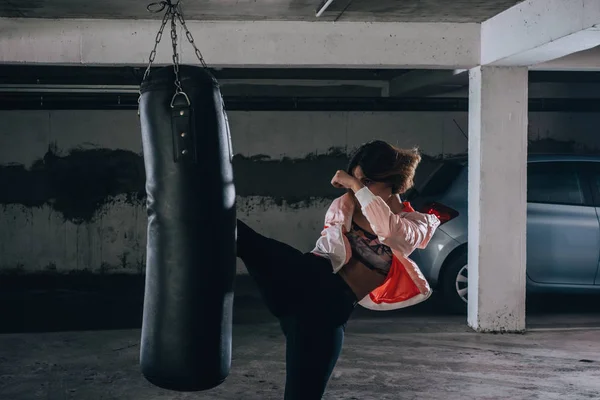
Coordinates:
455 284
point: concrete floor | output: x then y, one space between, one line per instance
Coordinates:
416 354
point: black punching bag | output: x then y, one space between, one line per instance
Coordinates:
191 255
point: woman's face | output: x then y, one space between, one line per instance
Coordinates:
381 189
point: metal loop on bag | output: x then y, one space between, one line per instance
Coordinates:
187 99
173 13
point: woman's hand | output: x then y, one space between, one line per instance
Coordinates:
342 179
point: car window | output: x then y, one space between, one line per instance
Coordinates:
434 178
554 183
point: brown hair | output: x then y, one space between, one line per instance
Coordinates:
382 162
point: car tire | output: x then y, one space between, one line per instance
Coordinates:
454 284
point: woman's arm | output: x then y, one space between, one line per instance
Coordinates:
407 230
332 235
334 214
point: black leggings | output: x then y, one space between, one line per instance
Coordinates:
311 303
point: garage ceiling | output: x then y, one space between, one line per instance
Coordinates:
343 10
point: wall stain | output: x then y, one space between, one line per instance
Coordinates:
293 181
77 184
51 267
80 183
123 260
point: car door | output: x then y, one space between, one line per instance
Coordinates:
563 232
591 170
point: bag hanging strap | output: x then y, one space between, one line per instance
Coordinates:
184 137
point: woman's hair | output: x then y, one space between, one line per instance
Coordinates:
382 162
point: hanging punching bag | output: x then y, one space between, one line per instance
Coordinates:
191 256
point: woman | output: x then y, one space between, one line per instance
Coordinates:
361 257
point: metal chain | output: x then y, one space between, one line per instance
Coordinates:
156 42
153 55
175 53
190 39
173 12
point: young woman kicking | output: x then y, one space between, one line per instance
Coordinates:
361 258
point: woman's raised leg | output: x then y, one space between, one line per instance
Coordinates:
273 265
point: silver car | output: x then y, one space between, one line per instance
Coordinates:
563 206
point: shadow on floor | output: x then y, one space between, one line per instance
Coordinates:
46 303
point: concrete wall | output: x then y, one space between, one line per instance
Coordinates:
72 182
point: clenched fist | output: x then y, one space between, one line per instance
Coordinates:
342 179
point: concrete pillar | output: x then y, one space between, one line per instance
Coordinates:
497 198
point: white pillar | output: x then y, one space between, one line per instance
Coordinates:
497 198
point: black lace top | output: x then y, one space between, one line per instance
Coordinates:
367 249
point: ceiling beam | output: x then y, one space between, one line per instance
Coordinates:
582 61
286 44
537 31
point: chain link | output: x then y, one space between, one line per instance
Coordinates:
174 14
153 55
190 39
178 88
156 42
